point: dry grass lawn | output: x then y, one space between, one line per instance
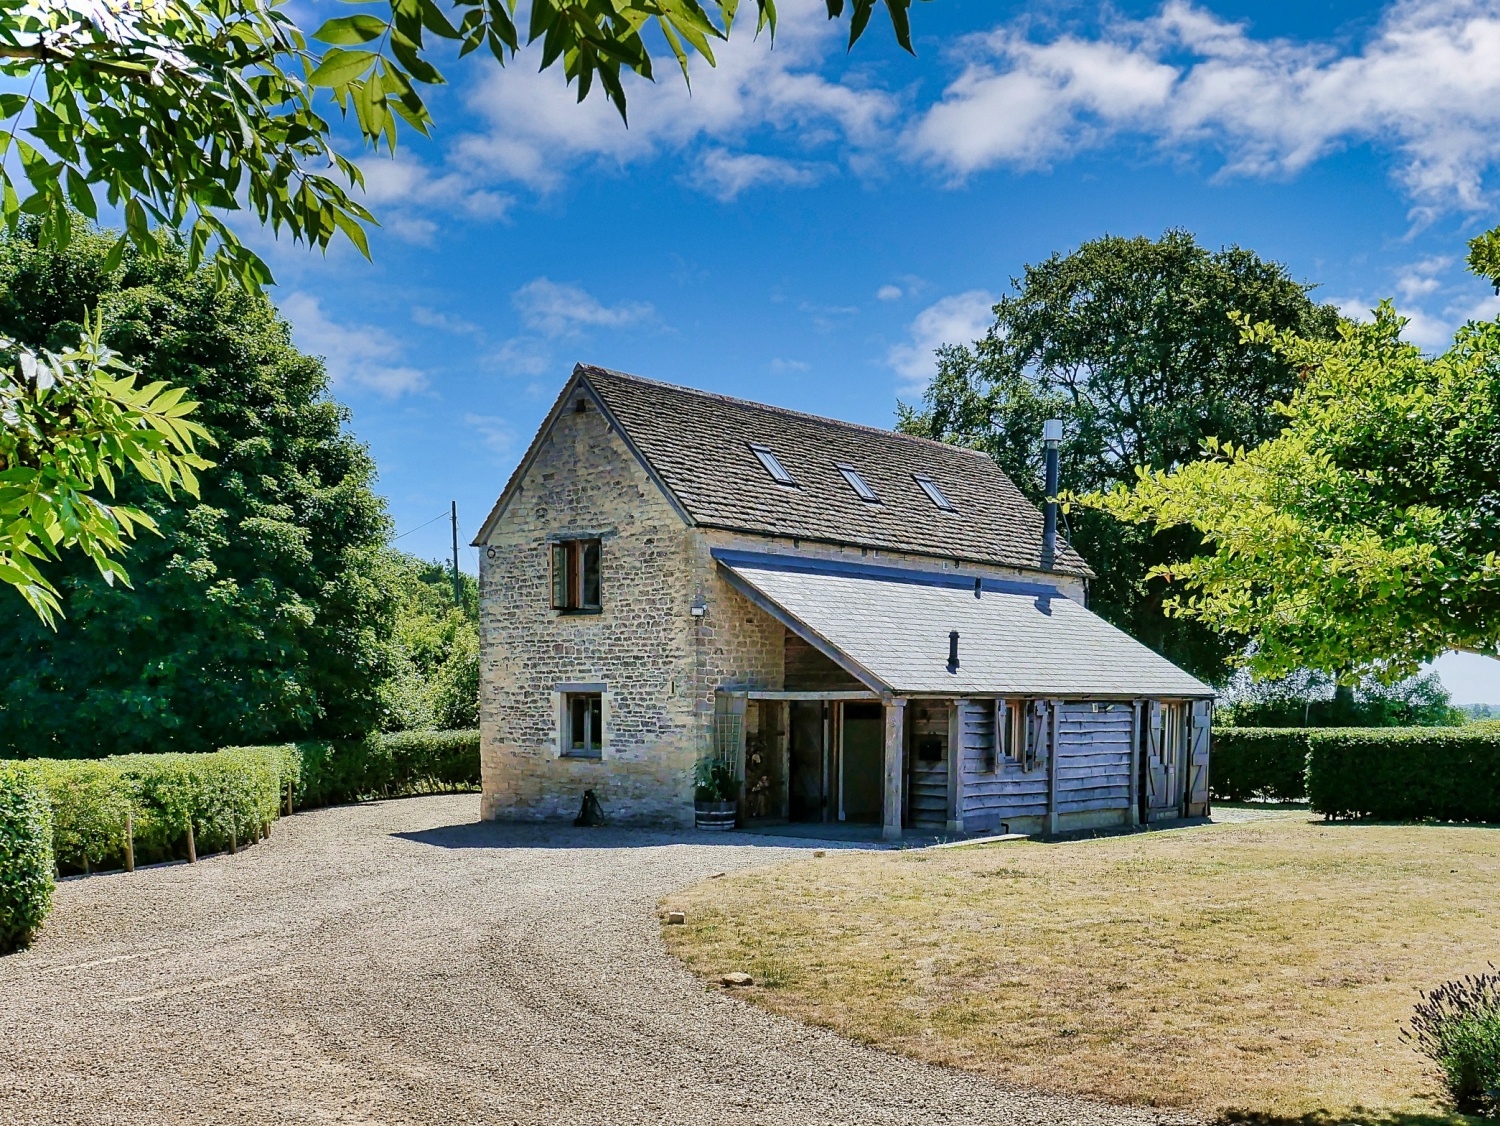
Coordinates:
1260 967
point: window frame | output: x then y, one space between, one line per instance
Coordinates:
1019 730
576 573
595 720
772 464
936 495
861 487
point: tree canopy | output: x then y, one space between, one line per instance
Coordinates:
1129 341
1362 538
263 609
435 681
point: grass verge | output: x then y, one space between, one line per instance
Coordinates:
1253 971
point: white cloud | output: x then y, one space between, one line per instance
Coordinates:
783 367
355 355
447 322
495 432
403 193
522 355
888 293
959 319
1426 84
561 309
725 175
537 133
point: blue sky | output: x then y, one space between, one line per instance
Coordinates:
806 225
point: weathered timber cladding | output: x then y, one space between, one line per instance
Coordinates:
808 670
992 796
659 665
1093 766
1093 757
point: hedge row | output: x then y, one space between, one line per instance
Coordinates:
69 815
230 795
384 766
1258 762
25 857
1404 774
1392 773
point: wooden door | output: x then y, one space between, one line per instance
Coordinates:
862 762
927 764
1198 743
1163 748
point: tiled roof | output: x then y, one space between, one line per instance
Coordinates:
699 445
889 626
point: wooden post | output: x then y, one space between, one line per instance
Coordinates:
956 766
255 831
1135 763
1048 733
288 797
192 847
234 844
129 841
895 767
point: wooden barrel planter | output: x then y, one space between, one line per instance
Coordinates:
715 816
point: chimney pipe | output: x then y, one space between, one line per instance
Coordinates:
1051 438
953 651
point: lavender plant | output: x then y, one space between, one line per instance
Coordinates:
1457 1026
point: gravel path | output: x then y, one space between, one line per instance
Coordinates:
400 963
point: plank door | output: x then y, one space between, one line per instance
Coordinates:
1198 743
1163 724
927 765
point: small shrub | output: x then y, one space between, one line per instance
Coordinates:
25 857
715 781
1457 1026
1259 762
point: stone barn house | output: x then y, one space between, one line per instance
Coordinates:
867 625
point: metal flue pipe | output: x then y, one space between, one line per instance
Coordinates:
1051 439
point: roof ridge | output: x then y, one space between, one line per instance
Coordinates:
770 409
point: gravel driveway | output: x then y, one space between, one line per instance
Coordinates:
400 963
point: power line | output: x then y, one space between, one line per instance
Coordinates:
419 527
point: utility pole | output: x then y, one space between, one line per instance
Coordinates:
458 590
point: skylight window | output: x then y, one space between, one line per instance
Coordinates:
773 467
856 482
934 494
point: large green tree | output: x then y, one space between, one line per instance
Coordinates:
262 610
435 683
1362 539
1130 342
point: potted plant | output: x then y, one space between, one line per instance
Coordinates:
715 807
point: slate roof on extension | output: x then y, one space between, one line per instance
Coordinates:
699 443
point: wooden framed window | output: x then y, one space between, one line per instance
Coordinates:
576 579
1020 732
583 719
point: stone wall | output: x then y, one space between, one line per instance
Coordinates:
659 665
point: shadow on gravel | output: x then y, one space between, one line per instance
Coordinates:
498 834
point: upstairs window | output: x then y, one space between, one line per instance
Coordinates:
934 494
575 576
857 483
773 467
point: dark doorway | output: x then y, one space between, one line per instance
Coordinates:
862 762
806 790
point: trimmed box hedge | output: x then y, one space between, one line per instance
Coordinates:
228 795
1258 762
1403 774
25 857
384 766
